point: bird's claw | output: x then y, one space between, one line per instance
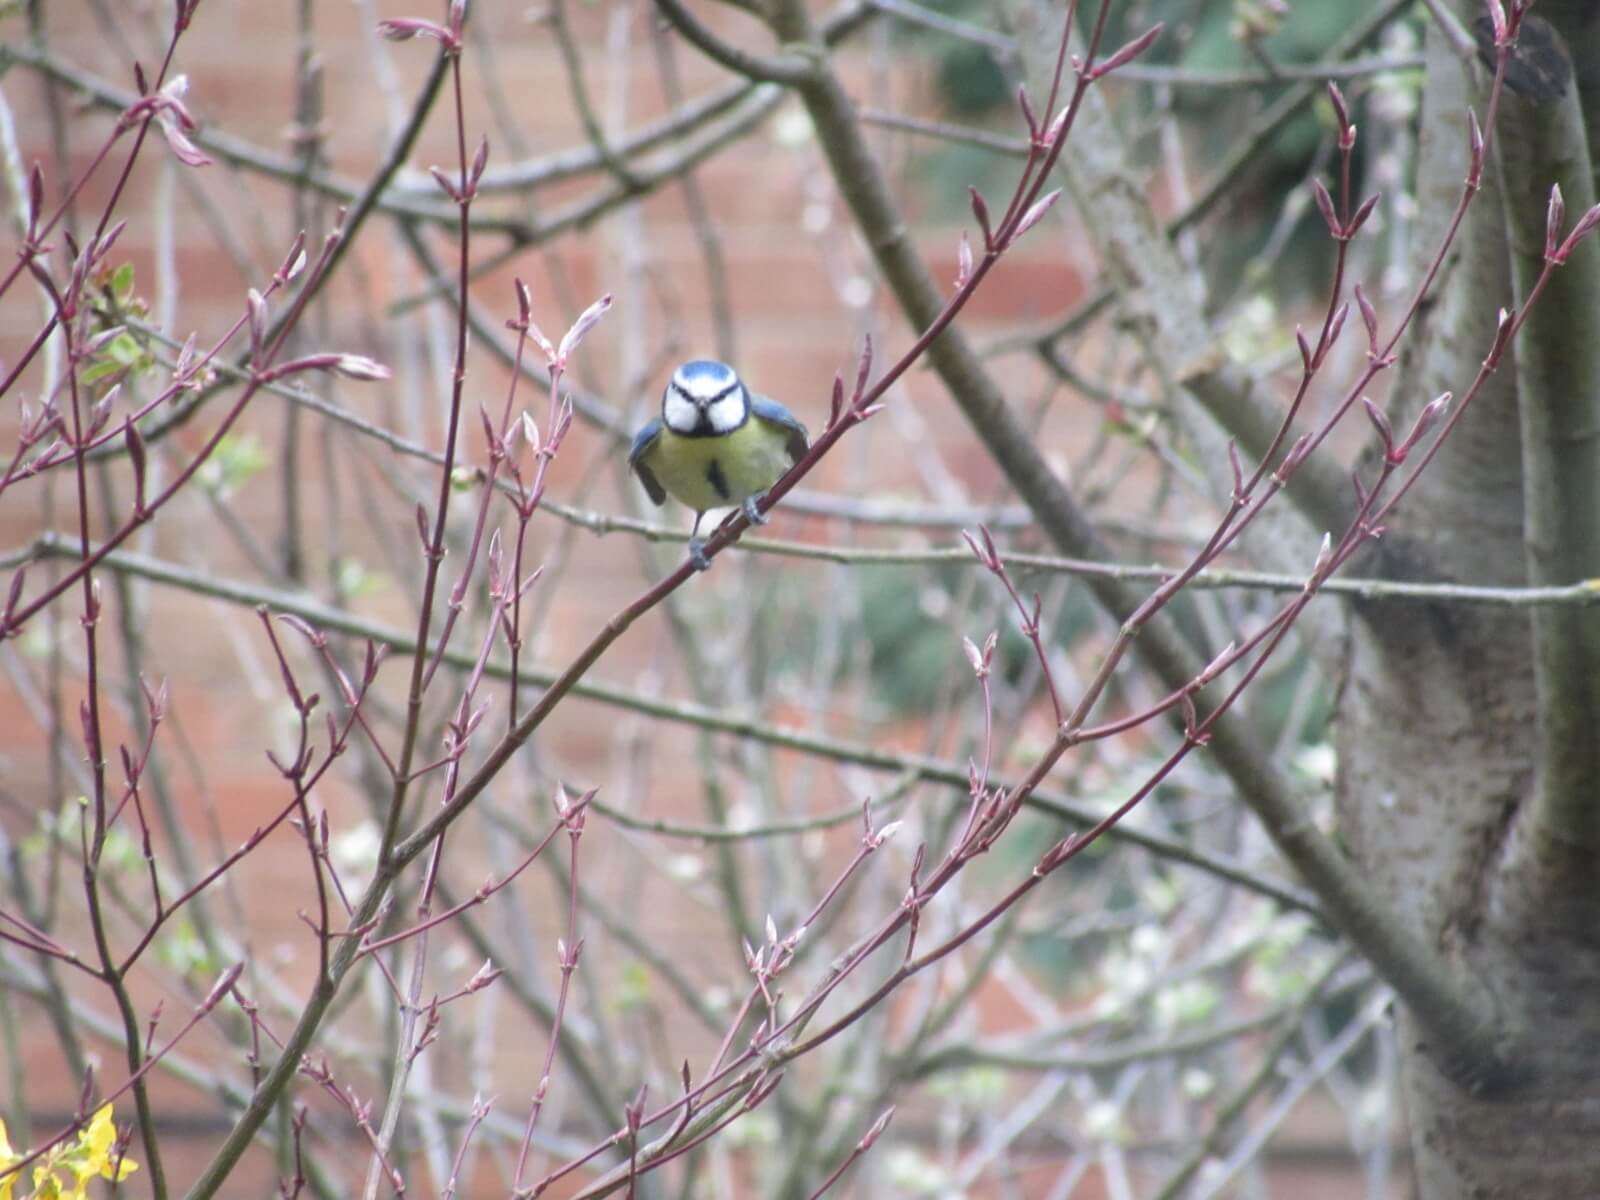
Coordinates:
757 517
697 554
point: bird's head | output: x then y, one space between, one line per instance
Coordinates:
704 398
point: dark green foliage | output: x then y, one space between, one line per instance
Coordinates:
970 81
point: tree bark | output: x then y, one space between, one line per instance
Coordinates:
1440 732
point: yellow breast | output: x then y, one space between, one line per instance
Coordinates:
715 472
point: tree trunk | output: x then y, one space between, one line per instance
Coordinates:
1440 722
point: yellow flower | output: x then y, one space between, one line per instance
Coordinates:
100 1134
93 1154
96 1145
45 1184
7 1157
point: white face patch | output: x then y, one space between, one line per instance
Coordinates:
704 398
679 413
727 413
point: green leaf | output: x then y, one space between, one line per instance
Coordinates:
100 369
122 282
237 459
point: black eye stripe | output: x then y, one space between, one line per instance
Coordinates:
722 395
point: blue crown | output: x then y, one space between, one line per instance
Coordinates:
705 370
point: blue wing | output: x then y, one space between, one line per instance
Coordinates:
642 441
774 413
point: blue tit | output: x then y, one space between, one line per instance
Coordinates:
715 445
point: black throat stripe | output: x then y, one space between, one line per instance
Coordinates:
704 428
717 480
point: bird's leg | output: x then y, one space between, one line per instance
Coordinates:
757 517
697 546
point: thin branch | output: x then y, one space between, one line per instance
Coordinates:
335 620
724 833
1314 72
787 68
1268 1072
960 134
1113 1057
966 31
